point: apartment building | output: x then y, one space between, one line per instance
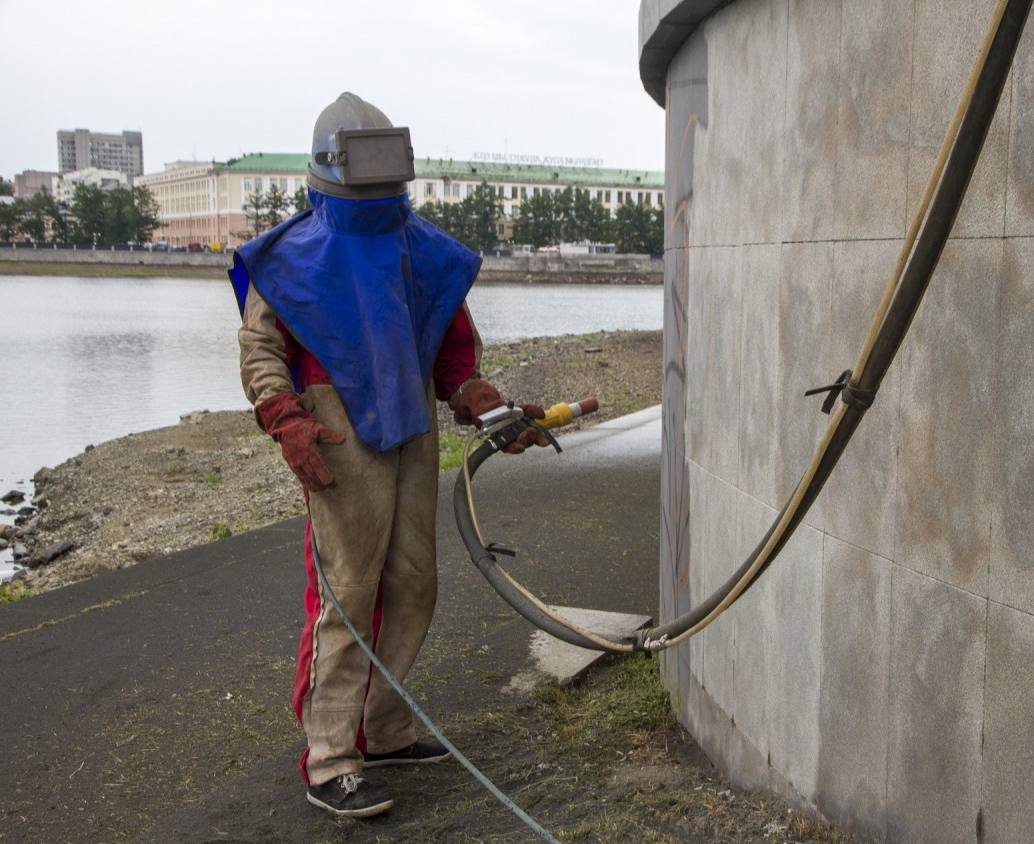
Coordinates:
81 149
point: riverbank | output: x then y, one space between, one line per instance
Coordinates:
62 268
521 269
486 276
215 474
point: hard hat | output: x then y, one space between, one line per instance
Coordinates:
357 153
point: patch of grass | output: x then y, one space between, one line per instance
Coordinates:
450 450
54 621
114 602
214 478
220 531
632 698
11 592
174 473
491 361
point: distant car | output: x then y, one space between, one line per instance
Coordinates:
159 246
177 247
195 247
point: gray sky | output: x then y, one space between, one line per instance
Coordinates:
219 78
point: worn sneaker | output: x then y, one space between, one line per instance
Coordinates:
350 796
418 753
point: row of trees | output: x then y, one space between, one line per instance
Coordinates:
568 216
119 215
128 215
263 211
473 222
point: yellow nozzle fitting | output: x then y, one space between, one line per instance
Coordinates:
557 416
564 414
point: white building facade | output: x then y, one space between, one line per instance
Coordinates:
63 187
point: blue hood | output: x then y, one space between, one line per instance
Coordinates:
370 289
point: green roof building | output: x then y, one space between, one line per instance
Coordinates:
203 202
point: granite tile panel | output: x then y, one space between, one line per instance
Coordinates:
763 96
698 340
804 306
856 601
721 556
759 393
873 118
936 708
1008 763
794 668
686 119
810 121
858 502
713 359
730 121
1012 478
1019 207
697 574
947 40
756 616
945 477
705 152
674 536
723 362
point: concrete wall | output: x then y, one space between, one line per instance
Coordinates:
632 269
49 254
882 671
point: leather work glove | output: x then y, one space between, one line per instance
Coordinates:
291 425
477 397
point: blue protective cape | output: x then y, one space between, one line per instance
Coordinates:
370 289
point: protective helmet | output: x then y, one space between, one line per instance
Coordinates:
357 153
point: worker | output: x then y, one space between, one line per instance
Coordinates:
353 323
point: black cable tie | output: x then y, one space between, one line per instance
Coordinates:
833 389
848 391
496 548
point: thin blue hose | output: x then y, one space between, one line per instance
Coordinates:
480 777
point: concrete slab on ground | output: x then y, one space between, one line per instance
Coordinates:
563 663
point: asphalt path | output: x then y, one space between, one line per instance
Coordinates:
118 690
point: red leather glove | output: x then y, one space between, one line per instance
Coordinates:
477 397
291 425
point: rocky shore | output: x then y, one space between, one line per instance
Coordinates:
216 474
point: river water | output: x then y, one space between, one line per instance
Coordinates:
85 360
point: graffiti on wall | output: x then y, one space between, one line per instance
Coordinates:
688 117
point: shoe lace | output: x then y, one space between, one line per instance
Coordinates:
349 782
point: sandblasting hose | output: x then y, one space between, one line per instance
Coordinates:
918 259
327 590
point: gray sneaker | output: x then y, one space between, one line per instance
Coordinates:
350 796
